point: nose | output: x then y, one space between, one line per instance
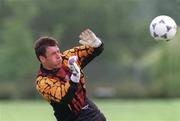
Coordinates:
58 55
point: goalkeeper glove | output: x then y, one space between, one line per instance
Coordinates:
87 37
75 77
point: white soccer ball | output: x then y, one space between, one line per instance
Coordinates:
163 28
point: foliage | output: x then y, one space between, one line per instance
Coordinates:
129 59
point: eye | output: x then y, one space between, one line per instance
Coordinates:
58 51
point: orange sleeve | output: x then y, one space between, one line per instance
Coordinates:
85 53
51 89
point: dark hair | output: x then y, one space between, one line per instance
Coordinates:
42 43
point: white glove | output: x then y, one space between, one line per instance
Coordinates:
75 77
87 37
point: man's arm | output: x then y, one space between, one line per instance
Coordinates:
91 47
88 38
91 56
53 90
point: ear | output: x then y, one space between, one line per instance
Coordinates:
42 59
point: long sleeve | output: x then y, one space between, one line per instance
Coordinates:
85 53
54 90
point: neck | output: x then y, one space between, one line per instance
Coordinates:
47 67
48 70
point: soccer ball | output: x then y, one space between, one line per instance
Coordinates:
163 28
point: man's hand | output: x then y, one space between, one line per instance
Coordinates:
87 37
75 77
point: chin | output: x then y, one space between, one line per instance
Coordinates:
58 66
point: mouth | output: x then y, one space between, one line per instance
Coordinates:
58 64
59 61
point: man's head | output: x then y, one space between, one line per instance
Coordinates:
48 53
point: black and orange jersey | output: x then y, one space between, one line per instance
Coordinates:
56 87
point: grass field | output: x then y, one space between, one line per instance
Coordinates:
115 110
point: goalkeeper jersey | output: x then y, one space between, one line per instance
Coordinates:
66 97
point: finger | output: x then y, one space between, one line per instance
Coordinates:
89 31
83 35
72 59
91 34
76 68
80 36
83 42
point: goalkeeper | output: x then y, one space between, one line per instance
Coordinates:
61 80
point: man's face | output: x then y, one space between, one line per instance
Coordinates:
53 59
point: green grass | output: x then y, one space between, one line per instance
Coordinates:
115 110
